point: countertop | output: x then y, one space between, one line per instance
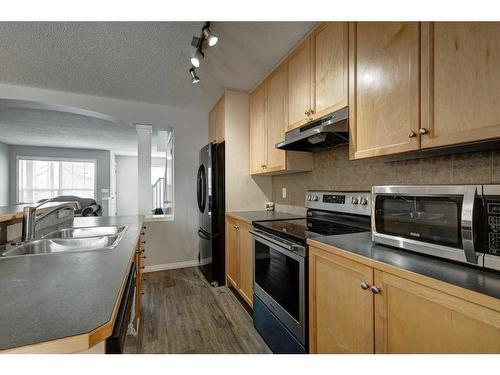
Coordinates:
254 216
461 275
52 296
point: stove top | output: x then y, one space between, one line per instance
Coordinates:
328 213
299 230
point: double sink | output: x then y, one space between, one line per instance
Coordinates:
70 240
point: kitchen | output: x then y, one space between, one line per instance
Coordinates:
335 193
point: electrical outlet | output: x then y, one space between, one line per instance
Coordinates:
283 192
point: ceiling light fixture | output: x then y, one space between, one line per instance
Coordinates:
197 57
199 44
211 38
194 76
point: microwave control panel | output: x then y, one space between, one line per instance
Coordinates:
493 214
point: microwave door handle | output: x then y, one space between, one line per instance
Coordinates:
467 224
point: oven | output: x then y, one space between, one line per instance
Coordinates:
438 220
280 285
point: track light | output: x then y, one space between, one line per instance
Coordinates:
194 76
211 39
195 60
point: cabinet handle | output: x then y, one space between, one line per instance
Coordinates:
412 134
236 227
375 290
143 256
307 113
143 242
263 166
423 131
364 286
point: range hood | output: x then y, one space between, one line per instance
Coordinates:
330 131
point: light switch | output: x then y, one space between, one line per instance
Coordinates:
283 192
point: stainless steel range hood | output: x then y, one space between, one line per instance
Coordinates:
330 131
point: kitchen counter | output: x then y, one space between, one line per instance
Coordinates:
253 216
467 277
65 295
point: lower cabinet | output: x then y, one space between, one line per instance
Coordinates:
239 259
355 308
340 311
412 318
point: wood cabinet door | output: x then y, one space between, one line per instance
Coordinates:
384 94
246 262
340 311
460 82
412 318
220 120
258 143
299 85
232 252
277 110
330 67
212 125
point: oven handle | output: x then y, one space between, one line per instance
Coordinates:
275 242
467 224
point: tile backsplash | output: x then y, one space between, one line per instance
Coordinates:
332 170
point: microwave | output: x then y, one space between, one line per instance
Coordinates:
447 221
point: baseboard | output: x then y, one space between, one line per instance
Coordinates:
170 266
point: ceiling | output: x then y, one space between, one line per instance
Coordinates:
142 61
34 124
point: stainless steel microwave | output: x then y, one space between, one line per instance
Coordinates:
441 220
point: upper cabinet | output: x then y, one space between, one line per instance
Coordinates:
268 121
258 136
417 86
299 83
384 103
277 89
318 74
330 66
216 122
460 81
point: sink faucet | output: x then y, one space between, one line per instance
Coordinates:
30 218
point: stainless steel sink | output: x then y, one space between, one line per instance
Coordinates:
81 232
58 245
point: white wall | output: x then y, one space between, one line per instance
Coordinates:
126 185
167 241
4 174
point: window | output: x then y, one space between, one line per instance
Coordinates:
162 175
43 178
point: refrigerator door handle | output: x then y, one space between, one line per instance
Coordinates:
203 235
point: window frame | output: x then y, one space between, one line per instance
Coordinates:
57 159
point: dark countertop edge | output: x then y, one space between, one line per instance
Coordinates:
326 242
111 318
243 215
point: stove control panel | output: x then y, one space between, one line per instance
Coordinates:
348 202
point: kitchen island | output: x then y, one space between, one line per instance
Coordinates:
65 302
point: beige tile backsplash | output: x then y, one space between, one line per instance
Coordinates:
332 170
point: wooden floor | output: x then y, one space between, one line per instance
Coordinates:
182 313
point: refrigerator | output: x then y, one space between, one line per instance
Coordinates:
210 191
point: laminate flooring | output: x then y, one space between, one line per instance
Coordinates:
182 313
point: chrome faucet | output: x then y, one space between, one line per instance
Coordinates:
30 218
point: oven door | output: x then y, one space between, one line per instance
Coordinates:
279 280
435 220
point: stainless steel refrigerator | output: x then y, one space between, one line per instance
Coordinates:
210 190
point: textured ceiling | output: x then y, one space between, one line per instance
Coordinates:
34 124
143 61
